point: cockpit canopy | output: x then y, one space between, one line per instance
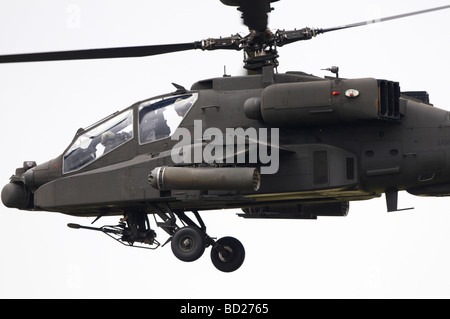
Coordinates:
158 119
99 141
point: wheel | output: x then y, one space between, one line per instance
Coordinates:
188 243
228 255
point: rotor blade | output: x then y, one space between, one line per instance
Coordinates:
399 16
121 52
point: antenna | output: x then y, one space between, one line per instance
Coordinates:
225 75
334 70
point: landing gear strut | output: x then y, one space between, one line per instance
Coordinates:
188 243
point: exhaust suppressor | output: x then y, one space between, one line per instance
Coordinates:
205 178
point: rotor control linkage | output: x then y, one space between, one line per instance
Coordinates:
259 46
233 42
286 37
257 40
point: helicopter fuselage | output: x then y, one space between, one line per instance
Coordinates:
345 145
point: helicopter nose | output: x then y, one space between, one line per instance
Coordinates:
16 195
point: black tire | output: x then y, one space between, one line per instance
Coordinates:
188 243
232 258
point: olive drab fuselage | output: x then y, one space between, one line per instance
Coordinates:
337 143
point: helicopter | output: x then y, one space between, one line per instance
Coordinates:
279 146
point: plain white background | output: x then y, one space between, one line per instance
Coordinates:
368 254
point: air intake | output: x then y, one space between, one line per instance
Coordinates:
388 100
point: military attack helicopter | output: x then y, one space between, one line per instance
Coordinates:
279 146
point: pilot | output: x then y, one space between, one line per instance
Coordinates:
154 126
108 141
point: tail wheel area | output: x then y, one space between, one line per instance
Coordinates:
188 243
228 255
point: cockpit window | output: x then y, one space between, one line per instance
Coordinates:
160 118
99 141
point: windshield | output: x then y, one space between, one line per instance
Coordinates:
160 118
99 141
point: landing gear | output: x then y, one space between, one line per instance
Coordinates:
228 255
188 242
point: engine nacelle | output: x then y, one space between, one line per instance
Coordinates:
325 102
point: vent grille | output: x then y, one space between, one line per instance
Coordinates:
388 100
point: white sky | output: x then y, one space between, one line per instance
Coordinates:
370 253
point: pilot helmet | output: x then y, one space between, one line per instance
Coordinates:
181 106
107 136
